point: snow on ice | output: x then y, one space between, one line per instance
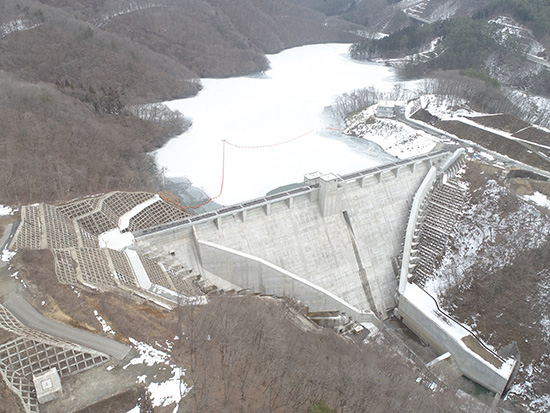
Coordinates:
284 103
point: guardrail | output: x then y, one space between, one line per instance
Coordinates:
282 196
229 210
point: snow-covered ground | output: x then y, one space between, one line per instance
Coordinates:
403 141
164 393
7 255
6 210
475 241
16 26
491 235
447 108
132 7
284 103
394 137
525 389
511 28
539 199
534 108
104 326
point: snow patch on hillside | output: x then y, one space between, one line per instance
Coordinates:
105 327
444 11
7 255
511 28
526 389
163 393
169 391
534 109
544 298
539 199
485 237
18 25
447 107
132 7
6 210
147 354
496 228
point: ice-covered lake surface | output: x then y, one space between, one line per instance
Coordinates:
284 103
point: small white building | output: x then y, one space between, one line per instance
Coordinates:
48 385
388 109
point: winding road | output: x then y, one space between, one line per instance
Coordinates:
26 313
6 238
30 317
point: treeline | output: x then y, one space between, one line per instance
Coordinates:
210 38
403 42
85 61
252 354
359 99
511 238
454 87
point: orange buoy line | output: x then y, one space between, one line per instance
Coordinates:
225 142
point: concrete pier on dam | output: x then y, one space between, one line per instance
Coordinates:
332 244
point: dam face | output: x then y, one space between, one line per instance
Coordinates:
332 244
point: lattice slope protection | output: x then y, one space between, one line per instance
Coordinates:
33 353
72 231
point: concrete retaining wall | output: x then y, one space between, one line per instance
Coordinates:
446 335
419 197
419 311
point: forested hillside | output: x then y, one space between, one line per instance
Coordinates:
97 58
494 43
533 13
462 43
71 70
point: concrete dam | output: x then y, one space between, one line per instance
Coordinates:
363 244
332 243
